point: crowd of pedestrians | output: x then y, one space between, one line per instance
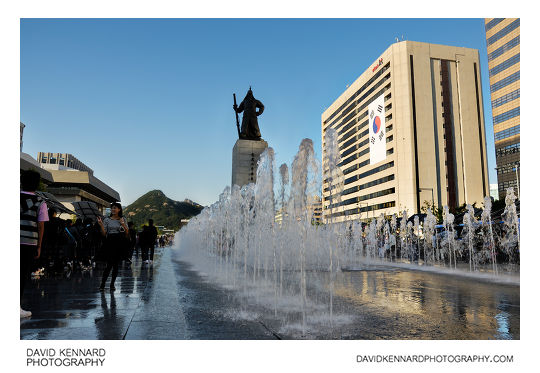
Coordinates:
33 218
52 245
166 240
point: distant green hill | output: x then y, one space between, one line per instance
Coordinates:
165 211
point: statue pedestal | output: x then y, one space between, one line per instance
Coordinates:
245 156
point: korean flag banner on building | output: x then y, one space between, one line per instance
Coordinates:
377 131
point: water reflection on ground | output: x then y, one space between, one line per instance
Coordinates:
70 306
184 302
402 304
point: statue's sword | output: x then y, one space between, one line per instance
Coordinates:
237 122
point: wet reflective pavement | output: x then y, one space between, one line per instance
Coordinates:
403 304
171 300
373 302
150 302
73 307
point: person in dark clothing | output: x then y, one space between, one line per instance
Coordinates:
116 231
76 231
34 214
132 240
51 241
86 243
69 245
147 240
143 243
96 242
137 244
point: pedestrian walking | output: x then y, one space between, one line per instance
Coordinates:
132 241
50 252
86 243
69 245
137 248
34 214
147 239
76 232
116 232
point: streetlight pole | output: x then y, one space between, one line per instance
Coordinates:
498 196
517 178
359 204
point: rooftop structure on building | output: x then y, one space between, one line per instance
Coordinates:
73 181
62 161
74 186
410 132
503 49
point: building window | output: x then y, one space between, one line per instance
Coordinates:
504 82
505 31
507 133
507 184
379 206
504 48
355 200
506 116
366 185
509 149
357 93
506 98
370 172
507 168
504 65
493 22
349 151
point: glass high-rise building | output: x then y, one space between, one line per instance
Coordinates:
502 37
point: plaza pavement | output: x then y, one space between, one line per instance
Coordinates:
164 301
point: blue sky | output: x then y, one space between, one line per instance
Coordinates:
147 103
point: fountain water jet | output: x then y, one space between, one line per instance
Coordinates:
285 264
487 231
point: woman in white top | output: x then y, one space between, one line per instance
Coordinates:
115 230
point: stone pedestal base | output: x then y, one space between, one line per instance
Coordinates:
245 156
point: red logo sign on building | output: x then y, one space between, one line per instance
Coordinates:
377 65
